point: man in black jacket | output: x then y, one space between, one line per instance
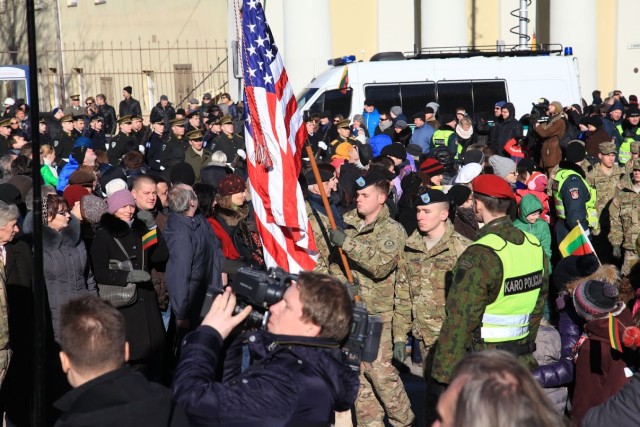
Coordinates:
108 113
94 354
296 374
129 106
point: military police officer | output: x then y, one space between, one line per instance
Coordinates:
499 286
64 141
627 132
229 142
424 275
344 135
373 243
122 142
625 223
171 151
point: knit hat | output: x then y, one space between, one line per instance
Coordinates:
115 185
231 184
82 141
395 150
120 199
128 89
164 98
573 267
527 164
401 124
458 194
446 118
595 121
92 208
595 300
472 156
575 152
358 118
73 193
414 150
431 166
502 166
538 182
83 177
342 151
396 109
435 106
10 194
182 173
468 173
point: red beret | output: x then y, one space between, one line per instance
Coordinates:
492 186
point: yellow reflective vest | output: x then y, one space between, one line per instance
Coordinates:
592 214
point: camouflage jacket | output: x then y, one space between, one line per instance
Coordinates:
477 280
624 211
604 184
320 227
373 252
424 277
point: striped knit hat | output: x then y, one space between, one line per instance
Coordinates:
595 300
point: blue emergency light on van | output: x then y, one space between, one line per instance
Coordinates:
342 60
568 51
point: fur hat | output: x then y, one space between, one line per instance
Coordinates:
92 208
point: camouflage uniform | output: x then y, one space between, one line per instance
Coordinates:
625 224
477 280
320 227
605 186
424 276
374 251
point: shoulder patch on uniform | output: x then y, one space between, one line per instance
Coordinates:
55 143
113 144
575 193
389 244
360 181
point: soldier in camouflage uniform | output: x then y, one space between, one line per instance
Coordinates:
424 275
318 216
604 177
625 225
373 243
635 153
499 286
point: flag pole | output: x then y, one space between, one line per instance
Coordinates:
327 207
588 241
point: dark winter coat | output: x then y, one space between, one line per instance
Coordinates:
144 327
551 133
505 130
122 398
621 409
167 114
593 140
194 266
130 107
67 272
293 381
109 114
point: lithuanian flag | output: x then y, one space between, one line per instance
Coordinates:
149 239
576 243
614 334
344 80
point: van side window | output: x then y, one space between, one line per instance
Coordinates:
334 101
477 96
412 97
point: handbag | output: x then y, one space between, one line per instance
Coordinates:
120 296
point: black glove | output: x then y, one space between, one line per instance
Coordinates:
617 251
400 351
337 236
138 276
147 218
353 288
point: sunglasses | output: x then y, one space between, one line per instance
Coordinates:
14 123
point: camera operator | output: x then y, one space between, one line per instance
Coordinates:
296 375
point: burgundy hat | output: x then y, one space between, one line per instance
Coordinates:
231 184
73 193
492 186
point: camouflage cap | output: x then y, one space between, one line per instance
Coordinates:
636 164
635 147
607 148
225 120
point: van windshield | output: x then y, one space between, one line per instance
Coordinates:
305 96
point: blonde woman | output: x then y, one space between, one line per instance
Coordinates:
47 171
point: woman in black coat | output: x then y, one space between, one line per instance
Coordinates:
143 322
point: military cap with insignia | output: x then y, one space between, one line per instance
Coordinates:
177 122
343 124
97 118
78 117
193 113
195 134
325 176
492 186
607 147
636 164
66 118
635 147
226 119
124 119
75 97
429 196
5 123
369 179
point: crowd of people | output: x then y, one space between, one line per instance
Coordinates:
454 228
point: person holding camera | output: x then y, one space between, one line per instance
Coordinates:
292 374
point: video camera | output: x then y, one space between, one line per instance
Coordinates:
261 289
539 111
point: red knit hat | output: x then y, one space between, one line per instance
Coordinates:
432 166
492 186
73 193
231 184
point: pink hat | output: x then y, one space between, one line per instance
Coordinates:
538 182
120 199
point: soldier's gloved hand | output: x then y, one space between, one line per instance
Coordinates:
353 288
617 251
138 276
337 236
147 218
322 145
242 154
400 351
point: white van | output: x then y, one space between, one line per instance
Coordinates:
475 83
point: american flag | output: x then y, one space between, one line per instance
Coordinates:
274 135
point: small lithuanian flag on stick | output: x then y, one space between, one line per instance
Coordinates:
576 243
344 80
614 334
149 239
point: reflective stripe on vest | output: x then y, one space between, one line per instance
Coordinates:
592 214
507 318
624 153
441 137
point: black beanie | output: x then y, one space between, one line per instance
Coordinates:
458 194
182 173
128 89
575 152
